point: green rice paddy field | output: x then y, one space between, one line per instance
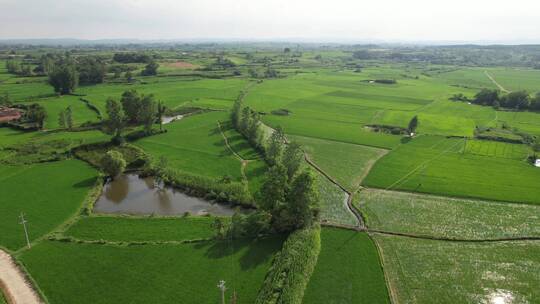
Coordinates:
48 194
465 189
429 271
360 280
160 273
445 166
443 217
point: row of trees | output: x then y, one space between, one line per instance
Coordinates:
289 198
18 68
520 100
133 109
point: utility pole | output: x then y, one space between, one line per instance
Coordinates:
222 287
23 222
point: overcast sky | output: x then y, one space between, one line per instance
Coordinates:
325 20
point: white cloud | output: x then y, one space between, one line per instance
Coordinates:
413 20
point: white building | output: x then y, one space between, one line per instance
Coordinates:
537 163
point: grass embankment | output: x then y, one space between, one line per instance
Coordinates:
48 194
164 273
444 217
440 165
291 269
347 271
428 271
131 229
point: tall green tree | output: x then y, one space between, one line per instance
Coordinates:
148 112
292 159
150 69
275 187
303 200
276 143
64 78
413 124
131 103
245 121
115 118
62 119
160 111
236 112
69 117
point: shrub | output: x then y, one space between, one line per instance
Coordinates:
113 163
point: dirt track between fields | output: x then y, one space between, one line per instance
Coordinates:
14 284
496 83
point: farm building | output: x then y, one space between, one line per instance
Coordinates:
9 114
537 163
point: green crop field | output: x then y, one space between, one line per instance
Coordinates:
91 273
48 194
358 280
333 203
195 145
428 271
55 105
347 163
444 217
497 149
174 92
123 229
442 166
449 215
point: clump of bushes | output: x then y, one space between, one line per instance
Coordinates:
291 269
113 163
388 129
385 81
281 112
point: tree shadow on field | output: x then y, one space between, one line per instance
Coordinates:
252 252
89 182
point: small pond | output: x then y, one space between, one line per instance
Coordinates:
131 194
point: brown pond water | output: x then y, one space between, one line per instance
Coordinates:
131 194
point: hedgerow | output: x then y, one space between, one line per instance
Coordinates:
291 269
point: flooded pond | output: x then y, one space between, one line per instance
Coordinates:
131 194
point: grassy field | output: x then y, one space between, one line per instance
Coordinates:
347 271
90 273
126 229
441 165
445 217
10 137
195 145
347 163
427 271
48 194
514 79
172 91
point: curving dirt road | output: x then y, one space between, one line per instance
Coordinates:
14 284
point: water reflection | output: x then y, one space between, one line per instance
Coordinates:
130 194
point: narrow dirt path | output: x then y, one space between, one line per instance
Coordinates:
14 284
496 83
